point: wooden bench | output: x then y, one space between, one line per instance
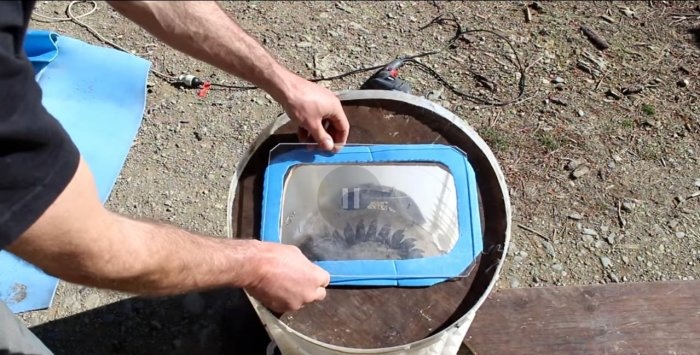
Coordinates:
629 318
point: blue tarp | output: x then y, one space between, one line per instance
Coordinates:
98 95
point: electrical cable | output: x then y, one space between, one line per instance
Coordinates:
448 19
76 19
451 43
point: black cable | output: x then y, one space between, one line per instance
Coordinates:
315 80
413 59
451 43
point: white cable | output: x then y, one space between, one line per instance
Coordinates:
49 19
76 19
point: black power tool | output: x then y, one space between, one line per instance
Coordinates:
387 79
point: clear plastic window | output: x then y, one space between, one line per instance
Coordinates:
370 211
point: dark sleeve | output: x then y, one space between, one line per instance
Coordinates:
37 157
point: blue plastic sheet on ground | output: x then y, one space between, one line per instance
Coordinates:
98 95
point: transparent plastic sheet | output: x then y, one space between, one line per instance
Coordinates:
369 211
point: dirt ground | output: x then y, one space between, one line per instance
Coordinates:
629 132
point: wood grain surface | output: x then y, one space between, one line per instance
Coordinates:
632 318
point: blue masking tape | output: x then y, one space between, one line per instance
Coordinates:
451 264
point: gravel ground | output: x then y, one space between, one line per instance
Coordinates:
604 178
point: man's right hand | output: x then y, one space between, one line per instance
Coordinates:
285 279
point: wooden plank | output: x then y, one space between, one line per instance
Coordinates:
629 318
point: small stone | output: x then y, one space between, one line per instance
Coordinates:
614 94
580 113
559 101
683 83
536 6
150 84
518 259
193 303
587 238
697 182
628 206
558 267
625 259
662 249
673 223
640 258
631 90
650 122
304 44
574 163
605 261
627 11
599 244
514 283
589 231
513 249
558 80
357 26
575 216
611 239
197 136
656 230
614 277
92 300
624 278
549 248
523 254
680 234
434 95
580 171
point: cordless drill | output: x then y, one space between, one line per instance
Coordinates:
387 79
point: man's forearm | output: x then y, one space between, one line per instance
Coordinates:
159 259
81 242
203 30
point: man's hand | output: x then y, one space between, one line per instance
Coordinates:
318 113
285 279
